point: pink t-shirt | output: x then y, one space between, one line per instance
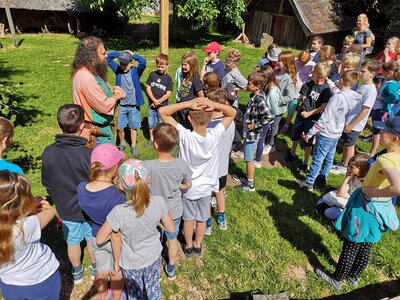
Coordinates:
303 73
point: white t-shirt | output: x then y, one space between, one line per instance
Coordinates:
201 154
368 94
33 262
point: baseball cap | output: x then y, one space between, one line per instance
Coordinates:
213 47
124 57
391 125
129 171
231 93
106 154
273 54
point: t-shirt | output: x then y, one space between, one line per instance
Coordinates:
141 244
188 89
375 177
316 95
361 36
165 180
234 79
201 154
303 74
368 94
262 62
128 86
217 67
160 84
224 146
97 205
6 165
33 262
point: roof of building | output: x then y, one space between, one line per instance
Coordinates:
52 5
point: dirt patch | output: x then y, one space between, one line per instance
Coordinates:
296 272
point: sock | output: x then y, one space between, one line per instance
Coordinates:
78 269
94 266
209 222
170 268
250 182
221 216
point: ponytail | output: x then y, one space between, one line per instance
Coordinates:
140 196
94 171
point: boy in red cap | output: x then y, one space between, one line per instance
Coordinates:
211 62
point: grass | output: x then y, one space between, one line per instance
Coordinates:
274 240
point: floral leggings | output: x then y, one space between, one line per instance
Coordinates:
148 277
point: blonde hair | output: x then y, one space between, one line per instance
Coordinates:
349 78
139 196
349 38
287 58
233 55
327 52
162 59
6 128
304 57
218 95
351 59
364 19
322 70
190 58
396 42
211 80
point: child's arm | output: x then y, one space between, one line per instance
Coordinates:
165 97
141 63
110 60
344 187
151 96
116 245
306 114
104 233
185 185
46 214
168 223
393 175
365 111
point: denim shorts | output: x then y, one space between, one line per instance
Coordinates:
173 235
103 256
76 231
249 150
153 117
129 115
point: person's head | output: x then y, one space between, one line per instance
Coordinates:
286 62
327 54
273 56
6 133
255 81
393 44
166 137
162 63
321 73
211 80
104 161
378 80
134 179
218 95
317 42
270 47
348 79
125 61
71 118
269 79
358 165
347 42
368 70
391 70
362 22
16 202
91 54
304 57
390 131
232 59
190 65
199 118
213 49
349 62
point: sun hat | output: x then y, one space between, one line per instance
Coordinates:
124 57
273 54
129 172
391 125
106 154
213 47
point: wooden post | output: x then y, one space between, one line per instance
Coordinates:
11 23
164 18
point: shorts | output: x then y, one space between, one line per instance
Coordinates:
153 117
196 210
76 231
376 115
129 115
302 125
173 235
249 150
222 182
350 138
103 256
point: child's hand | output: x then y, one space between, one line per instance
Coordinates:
305 114
116 271
251 126
206 60
119 92
202 104
305 137
348 128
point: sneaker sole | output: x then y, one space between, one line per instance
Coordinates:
78 281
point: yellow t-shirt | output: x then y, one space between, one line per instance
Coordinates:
375 177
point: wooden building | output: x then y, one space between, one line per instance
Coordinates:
293 23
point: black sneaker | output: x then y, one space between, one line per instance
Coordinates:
320 180
238 178
188 251
304 168
245 187
328 277
197 250
289 158
304 184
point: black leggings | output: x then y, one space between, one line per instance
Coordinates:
353 260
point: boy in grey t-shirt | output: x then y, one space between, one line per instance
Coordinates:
169 175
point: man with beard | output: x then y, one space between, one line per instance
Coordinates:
91 90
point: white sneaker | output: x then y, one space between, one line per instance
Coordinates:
208 231
268 149
257 164
237 154
213 202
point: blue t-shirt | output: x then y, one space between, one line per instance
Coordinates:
5 165
218 68
128 86
97 205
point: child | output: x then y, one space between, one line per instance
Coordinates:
97 198
137 222
329 128
69 155
128 78
257 115
359 222
304 68
327 55
390 52
211 62
332 203
347 43
349 62
159 88
316 44
169 175
211 80
219 95
273 57
6 139
314 95
264 61
28 268
199 148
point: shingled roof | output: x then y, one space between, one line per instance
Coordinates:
51 5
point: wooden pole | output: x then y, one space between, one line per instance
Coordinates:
164 18
11 23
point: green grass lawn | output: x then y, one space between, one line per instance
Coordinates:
274 239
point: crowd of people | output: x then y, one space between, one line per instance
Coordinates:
125 208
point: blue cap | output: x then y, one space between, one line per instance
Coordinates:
391 125
124 57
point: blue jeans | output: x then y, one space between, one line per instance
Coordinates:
323 155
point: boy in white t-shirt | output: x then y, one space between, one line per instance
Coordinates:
199 148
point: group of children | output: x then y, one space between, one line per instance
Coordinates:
120 207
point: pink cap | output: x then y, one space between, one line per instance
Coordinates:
106 154
213 47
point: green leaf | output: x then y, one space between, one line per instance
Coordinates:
14 103
13 118
5 99
5 110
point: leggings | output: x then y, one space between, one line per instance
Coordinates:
353 260
274 130
261 141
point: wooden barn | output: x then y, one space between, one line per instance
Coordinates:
293 23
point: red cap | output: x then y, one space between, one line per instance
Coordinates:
213 47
